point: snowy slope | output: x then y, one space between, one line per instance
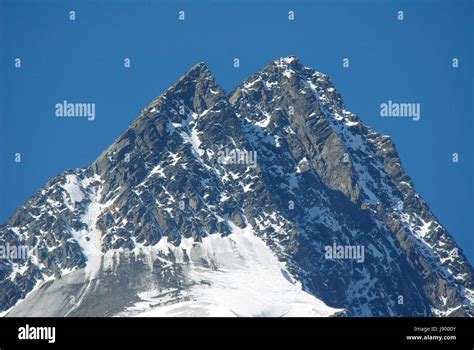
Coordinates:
245 279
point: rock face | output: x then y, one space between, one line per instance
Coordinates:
216 204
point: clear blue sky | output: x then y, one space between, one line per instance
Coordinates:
82 61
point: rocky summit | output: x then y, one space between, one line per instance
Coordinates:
270 200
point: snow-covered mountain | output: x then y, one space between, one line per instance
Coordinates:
217 204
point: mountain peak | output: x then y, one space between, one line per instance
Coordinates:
197 88
199 70
288 62
290 59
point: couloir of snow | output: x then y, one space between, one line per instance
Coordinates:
244 279
89 238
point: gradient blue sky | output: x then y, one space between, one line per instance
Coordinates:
82 61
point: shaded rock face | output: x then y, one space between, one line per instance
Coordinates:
183 172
